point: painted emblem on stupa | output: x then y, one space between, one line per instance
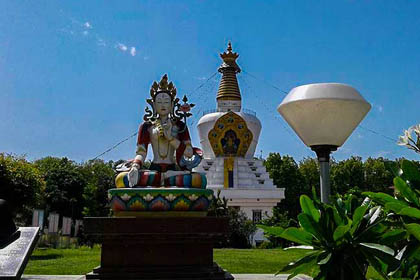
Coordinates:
230 136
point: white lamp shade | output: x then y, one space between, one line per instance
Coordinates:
324 114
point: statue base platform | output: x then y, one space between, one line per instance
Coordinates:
157 247
147 214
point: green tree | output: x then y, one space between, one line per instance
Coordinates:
346 175
21 184
99 176
64 186
377 177
285 174
309 168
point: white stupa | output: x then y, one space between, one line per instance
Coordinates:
229 137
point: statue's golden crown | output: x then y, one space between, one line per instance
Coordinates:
163 86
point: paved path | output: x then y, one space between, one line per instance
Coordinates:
237 277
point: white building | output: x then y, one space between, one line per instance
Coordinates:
229 137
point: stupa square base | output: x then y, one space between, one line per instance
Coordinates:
157 247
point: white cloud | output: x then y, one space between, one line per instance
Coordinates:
86 29
133 51
87 25
122 47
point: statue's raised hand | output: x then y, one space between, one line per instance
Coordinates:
167 130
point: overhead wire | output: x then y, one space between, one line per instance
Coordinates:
116 145
267 108
378 133
202 100
208 79
266 82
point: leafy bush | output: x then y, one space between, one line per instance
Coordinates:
218 207
406 207
281 219
241 229
344 238
265 245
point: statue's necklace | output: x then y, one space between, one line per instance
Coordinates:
160 135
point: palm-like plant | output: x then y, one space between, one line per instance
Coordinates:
406 207
344 238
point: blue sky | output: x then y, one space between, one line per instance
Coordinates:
74 75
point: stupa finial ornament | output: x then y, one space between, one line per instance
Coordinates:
229 59
229 49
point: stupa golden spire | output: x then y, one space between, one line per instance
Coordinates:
229 88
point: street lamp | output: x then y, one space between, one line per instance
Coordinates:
323 116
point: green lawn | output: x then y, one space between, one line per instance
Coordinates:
255 260
83 260
63 261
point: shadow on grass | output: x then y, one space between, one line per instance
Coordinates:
46 257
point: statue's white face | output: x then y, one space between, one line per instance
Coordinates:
163 104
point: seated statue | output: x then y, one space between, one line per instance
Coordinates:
173 156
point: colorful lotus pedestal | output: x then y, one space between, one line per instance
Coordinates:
160 202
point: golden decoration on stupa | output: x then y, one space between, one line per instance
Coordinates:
230 136
228 88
